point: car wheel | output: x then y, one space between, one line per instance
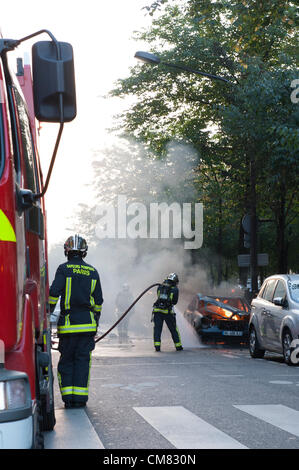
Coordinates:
254 347
286 347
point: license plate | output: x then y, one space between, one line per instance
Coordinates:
232 333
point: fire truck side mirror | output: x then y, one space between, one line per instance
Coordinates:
53 81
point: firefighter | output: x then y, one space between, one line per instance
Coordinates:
123 300
168 295
79 288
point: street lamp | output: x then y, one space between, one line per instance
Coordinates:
147 57
152 59
155 60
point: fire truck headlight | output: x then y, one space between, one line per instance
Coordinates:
14 392
2 396
16 396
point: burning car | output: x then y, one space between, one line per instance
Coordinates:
219 318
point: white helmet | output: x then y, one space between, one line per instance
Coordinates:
173 277
75 244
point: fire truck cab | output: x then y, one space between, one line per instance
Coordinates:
47 93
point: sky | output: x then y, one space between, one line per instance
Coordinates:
101 35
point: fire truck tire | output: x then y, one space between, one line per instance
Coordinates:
39 444
49 420
37 438
48 411
46 396
47 401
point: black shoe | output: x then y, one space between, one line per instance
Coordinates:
78 404
157 348
68 405
179 348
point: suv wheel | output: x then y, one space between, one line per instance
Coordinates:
286 347
254 347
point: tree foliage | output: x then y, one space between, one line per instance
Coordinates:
254 45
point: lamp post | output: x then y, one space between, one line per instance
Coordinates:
155 60
152 59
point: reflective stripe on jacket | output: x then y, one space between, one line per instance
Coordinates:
79 288
173 299
65 326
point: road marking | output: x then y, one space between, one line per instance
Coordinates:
100 378
160 376
112 385
230 356
185 430
73 430
138 364
284 375
280 416
138 387
227 375
280 382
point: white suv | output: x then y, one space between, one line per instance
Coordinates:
274 318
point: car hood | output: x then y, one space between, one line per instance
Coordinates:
217 303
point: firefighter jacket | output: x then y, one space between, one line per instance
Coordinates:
168 295
79 288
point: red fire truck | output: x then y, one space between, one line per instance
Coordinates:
46 93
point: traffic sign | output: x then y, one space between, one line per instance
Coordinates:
244 260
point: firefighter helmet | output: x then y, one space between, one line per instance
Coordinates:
75 245
173 277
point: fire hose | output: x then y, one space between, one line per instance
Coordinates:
125 313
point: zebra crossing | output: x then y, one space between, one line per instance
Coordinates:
185 430
281 416
182 428
63 435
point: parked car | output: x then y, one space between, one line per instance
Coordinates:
219 318
274 319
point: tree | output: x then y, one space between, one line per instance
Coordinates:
235 128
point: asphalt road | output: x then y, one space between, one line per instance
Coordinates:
213 397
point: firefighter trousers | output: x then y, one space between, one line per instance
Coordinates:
74 366
170 320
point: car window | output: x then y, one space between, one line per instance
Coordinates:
280 290
27 144
269 289
261 293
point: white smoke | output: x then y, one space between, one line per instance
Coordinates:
127 169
